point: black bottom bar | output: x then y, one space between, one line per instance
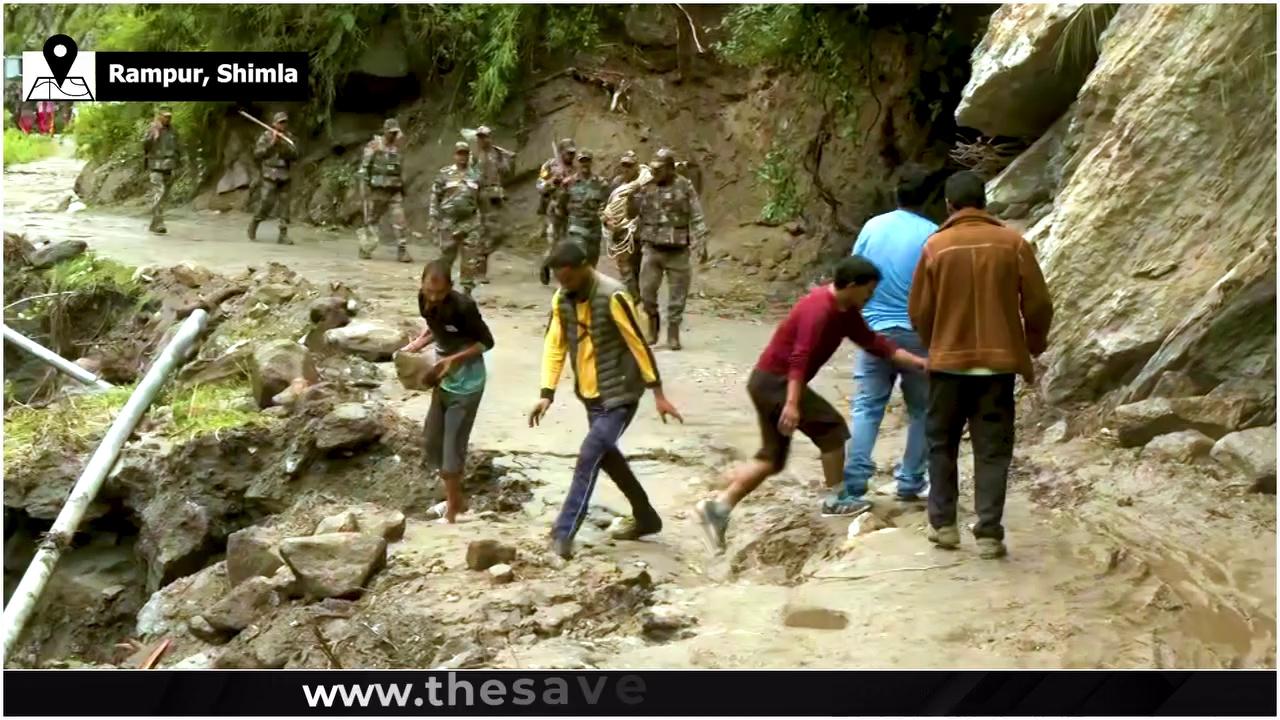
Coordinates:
685 692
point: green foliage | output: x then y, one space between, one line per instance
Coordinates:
205 409
104 130
90 274
778 175
20 147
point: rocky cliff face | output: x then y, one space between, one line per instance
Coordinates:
1151 200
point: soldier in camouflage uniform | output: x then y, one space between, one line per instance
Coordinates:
493 164
455 212
671 228
276 155
160 152
581 199
628 261
554 172
381 189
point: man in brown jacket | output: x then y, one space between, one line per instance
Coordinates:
981 307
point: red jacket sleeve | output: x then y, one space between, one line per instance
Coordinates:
867 339
809 326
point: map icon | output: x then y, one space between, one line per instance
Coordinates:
47 88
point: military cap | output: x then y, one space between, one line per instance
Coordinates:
584 155
165 110
664 156
484 130
628 158
566 145
390 125
280 117
461 146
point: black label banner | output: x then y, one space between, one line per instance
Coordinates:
196 76
611 692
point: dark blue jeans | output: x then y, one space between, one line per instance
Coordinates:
600 452
875 379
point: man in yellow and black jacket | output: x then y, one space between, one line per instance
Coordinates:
593 325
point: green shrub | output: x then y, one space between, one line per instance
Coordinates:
20 147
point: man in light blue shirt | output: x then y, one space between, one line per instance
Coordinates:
892 242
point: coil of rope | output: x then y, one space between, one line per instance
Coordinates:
614 215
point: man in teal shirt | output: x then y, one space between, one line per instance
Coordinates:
892 242
461 337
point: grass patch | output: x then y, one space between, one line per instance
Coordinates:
205 409
20 147
76 424
90 274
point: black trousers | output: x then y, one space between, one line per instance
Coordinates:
986 403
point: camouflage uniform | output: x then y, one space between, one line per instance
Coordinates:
493 165
628 262
581 199
160 149
455 211
276 156
382 181
671 226
554 172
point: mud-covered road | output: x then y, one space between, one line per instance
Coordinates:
1114 561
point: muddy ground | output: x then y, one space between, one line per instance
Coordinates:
1115 561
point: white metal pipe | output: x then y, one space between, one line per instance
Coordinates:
25 597
41 352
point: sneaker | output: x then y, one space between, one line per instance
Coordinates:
628 529
991 548
946 537
561 547
714 522
910 498
844 507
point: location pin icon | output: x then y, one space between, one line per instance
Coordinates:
60 53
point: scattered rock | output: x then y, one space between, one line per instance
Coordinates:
334 565
273 294
372 340
203 630
501 573
251 552
867 523
244 604
342 522
375 521
199 661
51 253
794 229
1252 454
1059 432
348 426
549 621
274 366
1174 384
175 540
1138 423
817 618
190 274
1181 447
484 554
663 622
416 371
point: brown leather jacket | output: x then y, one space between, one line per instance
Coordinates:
979 299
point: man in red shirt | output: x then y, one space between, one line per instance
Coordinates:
779 389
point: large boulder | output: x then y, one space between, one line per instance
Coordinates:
1183 446
372 340
349 426
1252 454
52 252
1136 424
176 539
1017 86
335 564
251 553
1029 181
276 365
1147 221
417 371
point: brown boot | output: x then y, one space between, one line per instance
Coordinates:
673 336
402 255
283 238
253 230
655 322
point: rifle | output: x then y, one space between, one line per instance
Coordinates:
279 134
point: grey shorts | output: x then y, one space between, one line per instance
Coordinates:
448 429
